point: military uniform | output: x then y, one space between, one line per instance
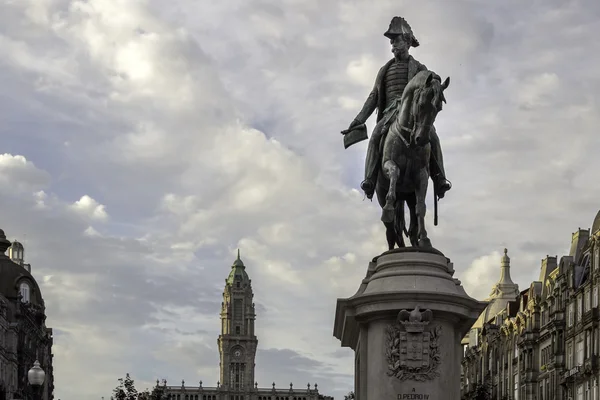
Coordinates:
389 86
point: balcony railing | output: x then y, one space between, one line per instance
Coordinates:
590 315
591 363
572 372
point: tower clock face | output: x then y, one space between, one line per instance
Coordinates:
237 353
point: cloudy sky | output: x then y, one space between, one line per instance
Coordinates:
144 141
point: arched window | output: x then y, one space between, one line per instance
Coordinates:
25 292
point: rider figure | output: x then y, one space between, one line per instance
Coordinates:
385 96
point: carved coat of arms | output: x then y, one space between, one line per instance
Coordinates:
411 348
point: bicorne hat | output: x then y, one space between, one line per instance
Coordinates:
399 26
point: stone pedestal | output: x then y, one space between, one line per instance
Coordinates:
405 325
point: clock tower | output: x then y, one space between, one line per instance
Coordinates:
237 341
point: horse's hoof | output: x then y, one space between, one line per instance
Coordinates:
387 215
425 242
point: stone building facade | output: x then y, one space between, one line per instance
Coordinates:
543 343
237 345
24 336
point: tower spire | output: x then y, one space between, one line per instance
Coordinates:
505 270
238 261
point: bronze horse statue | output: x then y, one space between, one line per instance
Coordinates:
404 174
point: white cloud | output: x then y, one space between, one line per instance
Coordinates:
363 70
40 198
90 208
19 174
349 103
481 275
91 231
537 89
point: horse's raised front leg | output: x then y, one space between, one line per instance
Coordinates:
392 171
421 209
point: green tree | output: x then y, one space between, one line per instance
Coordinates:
126 390
119 391
482 392
130 390
159 392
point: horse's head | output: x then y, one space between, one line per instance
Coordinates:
427 103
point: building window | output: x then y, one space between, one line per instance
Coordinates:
580 353
560 347
516 388
579 308
588 303
579 392
595 297
25 292
571 317
543 317
232 376
595 389
237 330
238 308
570 355
597 258
588 344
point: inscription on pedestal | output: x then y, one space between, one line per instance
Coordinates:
413 396
412 350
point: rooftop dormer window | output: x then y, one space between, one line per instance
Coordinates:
25 292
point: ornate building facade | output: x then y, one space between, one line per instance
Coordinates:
24 337
541 343
237 345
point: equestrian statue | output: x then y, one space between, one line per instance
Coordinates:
404 150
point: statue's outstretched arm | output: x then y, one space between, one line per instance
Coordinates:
369 106
372 101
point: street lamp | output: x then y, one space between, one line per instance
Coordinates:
36 377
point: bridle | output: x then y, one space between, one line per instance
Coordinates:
416 124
